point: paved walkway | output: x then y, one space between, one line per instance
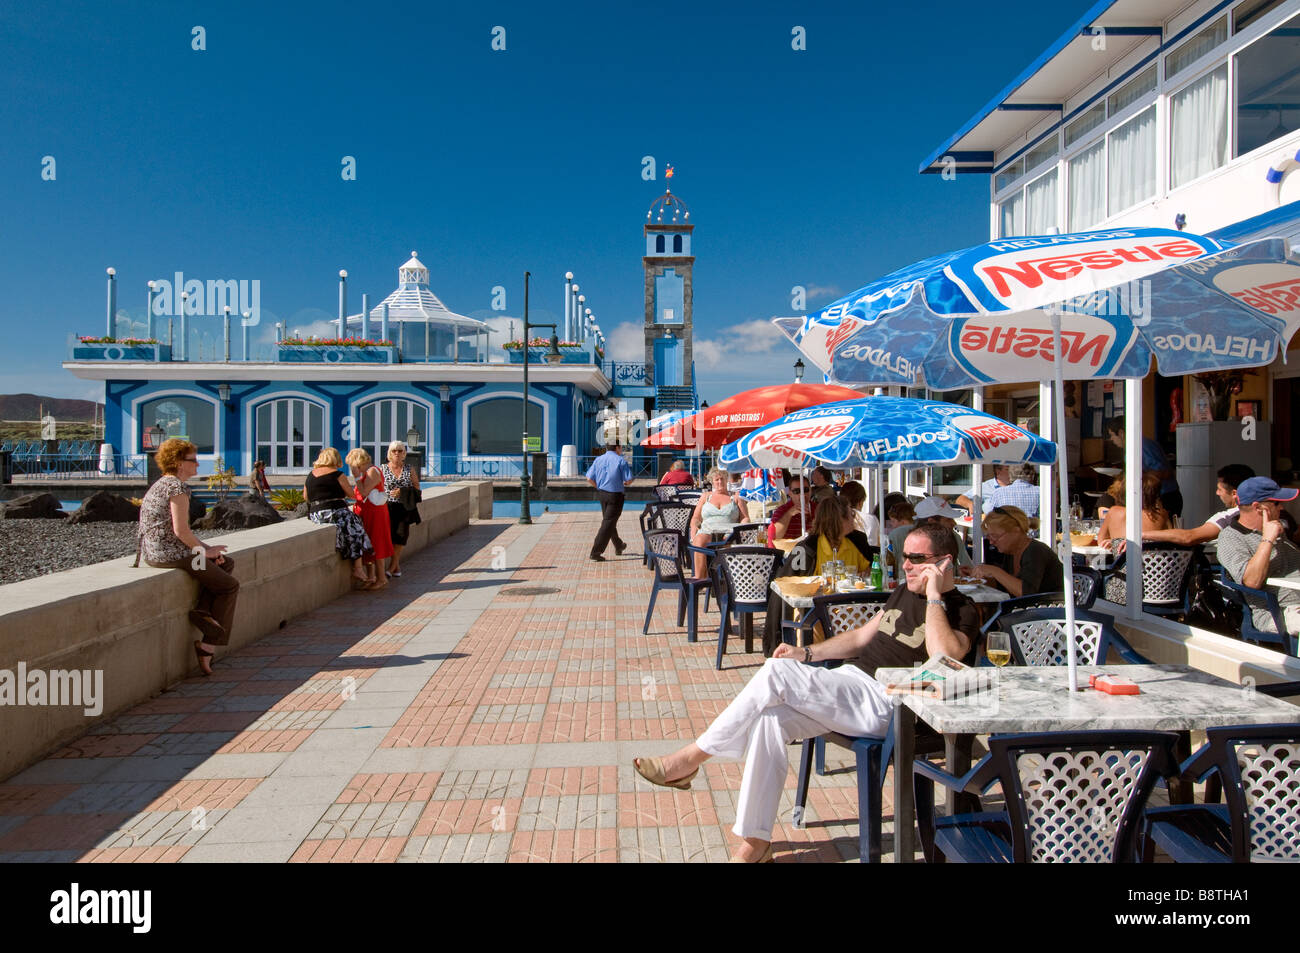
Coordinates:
486 706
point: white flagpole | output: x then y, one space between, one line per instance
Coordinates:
1063 480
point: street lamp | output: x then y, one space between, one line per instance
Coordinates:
552 357
798 371
412 449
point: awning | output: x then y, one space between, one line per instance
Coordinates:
1281 222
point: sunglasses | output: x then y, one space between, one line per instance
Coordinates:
921 557
189 459
796 489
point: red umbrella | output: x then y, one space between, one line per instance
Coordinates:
741 413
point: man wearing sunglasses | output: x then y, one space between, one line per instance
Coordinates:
787 519
788 700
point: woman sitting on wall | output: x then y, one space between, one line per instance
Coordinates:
167 542
328 493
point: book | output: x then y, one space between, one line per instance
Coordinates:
945 678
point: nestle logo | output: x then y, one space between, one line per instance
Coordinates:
988 436
1061 267
1279 297
1079 346
816 431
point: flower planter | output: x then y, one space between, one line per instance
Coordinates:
332 354
537 355
121 352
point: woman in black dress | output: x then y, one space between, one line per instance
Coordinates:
329 500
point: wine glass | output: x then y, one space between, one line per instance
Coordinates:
998 650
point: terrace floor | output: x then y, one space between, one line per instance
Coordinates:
484 707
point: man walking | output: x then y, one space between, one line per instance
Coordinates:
609 474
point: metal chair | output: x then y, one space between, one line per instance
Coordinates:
1038 637
665 493
747 534
673 515
1259 766
667 548
1087 583
1247 600
1070 797
745 575
1166 578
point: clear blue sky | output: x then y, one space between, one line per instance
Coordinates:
799 166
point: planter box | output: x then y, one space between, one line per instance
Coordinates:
537 355
326 354
121 352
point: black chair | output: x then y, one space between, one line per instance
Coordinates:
1070 797
1246 600
745 575
1087 584
1167 572
668 550
1259 767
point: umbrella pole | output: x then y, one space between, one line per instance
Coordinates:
1063 481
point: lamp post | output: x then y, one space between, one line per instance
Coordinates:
413 441
552 358
798 371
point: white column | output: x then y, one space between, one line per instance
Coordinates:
1133 494
568 306
977 500
1046 428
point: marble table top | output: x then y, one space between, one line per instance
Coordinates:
1173 698
1283 582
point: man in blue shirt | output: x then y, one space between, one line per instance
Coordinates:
609 474
1153 459
1020 492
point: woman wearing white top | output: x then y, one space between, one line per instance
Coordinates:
854 494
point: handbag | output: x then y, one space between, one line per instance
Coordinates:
377 497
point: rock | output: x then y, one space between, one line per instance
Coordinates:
298 512
244 512
105 507
197 509
31 506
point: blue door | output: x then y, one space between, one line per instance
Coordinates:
668 362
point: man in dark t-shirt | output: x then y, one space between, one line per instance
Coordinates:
788 700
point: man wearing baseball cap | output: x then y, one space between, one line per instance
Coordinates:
1254 547
935 509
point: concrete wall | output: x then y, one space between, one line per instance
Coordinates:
480 496
132 623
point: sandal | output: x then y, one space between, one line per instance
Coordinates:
200 654
652 769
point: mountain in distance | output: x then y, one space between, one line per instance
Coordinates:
28 407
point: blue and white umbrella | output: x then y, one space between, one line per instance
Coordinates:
1123 296
883 431
664 420
760 486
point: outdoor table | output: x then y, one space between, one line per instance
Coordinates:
1173 698
1098 557
1283 582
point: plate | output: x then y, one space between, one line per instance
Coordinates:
845 587
1108 471
969 587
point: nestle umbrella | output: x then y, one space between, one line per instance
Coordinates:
883 431
740 413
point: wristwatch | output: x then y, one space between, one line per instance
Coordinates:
807 654
934 602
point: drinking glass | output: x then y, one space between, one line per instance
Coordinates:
998 650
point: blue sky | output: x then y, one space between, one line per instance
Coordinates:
799 167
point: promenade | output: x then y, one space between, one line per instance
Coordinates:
484 707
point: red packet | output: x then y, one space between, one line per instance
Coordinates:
1113 685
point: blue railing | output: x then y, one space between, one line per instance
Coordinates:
621 372
75 466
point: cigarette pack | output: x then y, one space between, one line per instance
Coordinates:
1113 685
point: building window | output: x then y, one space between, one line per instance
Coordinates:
1012 216
494 426
659 244
1198 46
1088 187
1084 123
1268 88
1248 13
1045 150
1131 165
677 244
1008 175
384 421
1139 86
289 434
189 418
1040 205
1199 126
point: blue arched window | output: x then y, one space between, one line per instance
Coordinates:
677 244
659 244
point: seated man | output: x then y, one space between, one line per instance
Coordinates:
1254 547
823 487
789 700
1020 493
1001 477
788 518
677 475
1230 477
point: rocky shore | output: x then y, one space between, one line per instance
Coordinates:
30 548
